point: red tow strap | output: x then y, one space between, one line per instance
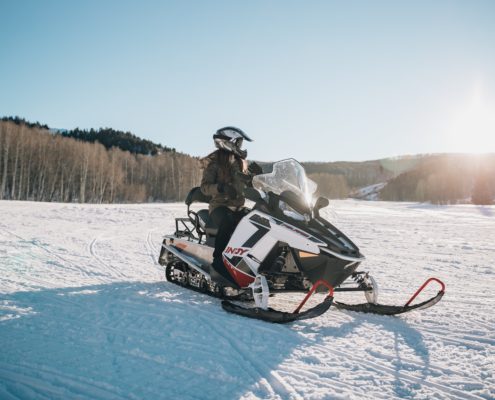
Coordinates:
313 288
422 287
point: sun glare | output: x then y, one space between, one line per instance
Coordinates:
473 130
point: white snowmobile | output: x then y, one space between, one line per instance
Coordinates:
282 244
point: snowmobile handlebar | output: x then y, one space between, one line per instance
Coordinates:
423 286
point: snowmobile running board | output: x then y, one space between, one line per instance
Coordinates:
282 317
384 309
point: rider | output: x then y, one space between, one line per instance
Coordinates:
225 176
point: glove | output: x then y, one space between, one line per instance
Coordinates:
245 178
254 169
228 189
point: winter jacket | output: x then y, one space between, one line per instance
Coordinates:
212 176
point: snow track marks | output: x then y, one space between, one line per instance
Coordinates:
85 312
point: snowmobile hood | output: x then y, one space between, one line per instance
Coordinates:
337 243
332 240
326 250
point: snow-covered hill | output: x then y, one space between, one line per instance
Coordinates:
85 312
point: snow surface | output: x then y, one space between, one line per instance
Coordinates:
85 312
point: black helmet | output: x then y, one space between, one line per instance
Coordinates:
230 139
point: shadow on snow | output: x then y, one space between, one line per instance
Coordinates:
132 340
403 335
153 340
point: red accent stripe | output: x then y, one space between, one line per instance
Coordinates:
241 278
423 286
313 288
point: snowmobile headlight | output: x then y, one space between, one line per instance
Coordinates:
305 254
291 213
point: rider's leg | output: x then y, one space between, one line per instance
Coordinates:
225 219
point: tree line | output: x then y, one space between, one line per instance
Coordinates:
36 164
109 138
108 166
21 121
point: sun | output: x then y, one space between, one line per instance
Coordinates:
473 129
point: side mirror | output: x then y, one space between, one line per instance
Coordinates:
321 202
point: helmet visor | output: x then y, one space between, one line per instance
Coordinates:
238 142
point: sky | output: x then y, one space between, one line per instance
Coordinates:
313 80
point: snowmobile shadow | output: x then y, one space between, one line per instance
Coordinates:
135 340
406 338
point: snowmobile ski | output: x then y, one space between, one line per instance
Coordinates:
385 309
279 317
282 317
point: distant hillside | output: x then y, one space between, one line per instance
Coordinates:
340 179
36 164
435 178
445 178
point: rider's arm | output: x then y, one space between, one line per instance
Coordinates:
209 184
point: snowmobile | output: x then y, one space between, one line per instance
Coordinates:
281 244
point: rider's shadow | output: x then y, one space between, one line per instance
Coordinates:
135 340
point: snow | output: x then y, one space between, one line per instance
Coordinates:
371 192
85 312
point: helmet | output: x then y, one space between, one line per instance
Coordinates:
230 139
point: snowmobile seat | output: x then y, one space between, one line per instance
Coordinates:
205 223
211 228
200 218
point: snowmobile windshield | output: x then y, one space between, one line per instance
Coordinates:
287 175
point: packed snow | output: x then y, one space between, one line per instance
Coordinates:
86 313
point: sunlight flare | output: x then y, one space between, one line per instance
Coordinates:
473 128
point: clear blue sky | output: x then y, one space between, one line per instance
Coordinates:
314 80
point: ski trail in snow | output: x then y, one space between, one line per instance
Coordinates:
404 376
54 383
277 384
57 264
153 248
34 242
478 343
152 251
450 392
107 265
461 337
84 313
